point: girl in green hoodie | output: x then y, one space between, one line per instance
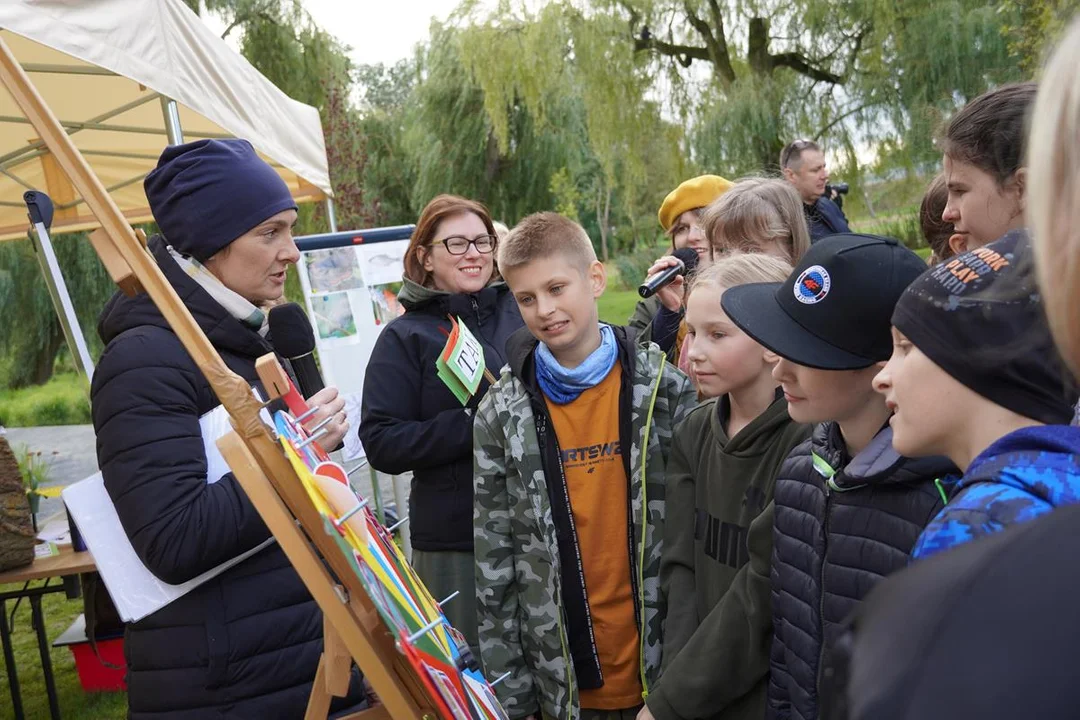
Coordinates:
718 533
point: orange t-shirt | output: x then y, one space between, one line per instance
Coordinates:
588 433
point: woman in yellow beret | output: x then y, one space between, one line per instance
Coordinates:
659 318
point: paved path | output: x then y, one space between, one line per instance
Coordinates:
76 458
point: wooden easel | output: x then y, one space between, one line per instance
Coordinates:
353 629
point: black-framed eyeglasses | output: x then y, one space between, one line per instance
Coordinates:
459 244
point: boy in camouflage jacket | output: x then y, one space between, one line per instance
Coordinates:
536 621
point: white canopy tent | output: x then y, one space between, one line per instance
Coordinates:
111 71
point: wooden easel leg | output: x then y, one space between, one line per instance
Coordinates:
318 706
338 662
332 680
379 712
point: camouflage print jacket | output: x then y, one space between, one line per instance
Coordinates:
526 603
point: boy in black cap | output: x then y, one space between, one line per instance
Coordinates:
848 507
974 375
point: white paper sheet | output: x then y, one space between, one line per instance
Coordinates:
136 591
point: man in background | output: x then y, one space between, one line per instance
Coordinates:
803 165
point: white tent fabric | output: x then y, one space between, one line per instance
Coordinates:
103 66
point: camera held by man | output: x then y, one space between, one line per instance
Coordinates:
833 191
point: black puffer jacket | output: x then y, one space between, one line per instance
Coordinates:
245 644
833 540
410 421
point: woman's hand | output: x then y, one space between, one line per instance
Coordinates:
671 295
331 405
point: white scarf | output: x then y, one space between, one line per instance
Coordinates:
233 303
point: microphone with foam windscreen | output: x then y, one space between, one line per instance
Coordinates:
294 340
688 260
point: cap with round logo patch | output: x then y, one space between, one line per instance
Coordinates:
834 311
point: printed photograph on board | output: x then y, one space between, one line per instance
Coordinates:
384 302
333 270
333 316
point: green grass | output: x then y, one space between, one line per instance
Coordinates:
75 704
616 306
64 400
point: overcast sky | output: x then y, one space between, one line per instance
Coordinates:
378 30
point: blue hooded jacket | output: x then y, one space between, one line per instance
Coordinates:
1022 476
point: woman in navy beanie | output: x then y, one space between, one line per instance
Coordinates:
245 644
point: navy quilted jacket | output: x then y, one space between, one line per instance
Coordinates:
841 526
245 644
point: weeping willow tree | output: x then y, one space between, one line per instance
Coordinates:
31 334
743 77
1034 26
537 62
507 162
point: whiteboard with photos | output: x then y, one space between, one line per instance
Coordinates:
350 294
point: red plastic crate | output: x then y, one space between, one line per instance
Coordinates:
93 675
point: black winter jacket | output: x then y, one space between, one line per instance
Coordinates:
410 421
825 218
245 644
833 540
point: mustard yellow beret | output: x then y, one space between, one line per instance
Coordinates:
694 193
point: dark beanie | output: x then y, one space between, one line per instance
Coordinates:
979 317
207 193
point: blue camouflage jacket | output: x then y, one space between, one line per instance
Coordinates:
1020 477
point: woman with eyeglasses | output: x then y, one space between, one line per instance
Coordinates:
410 420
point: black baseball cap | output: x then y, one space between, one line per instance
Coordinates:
834 311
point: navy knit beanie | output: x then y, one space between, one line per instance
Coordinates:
207 193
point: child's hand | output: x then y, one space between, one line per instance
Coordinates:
644 714
671 295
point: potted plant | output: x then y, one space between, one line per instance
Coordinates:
36 469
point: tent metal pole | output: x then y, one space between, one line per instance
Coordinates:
331 215
5 160
72 125
172 121
40 210
401 501
59 69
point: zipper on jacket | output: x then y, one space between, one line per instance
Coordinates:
542 436
644 522
828 472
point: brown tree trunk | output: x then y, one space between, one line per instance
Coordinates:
45 359
602 218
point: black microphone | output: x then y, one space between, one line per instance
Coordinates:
688 260
295 341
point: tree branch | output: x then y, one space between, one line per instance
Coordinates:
684 54
644 40
260 12
723 61
844 116
800 64
856 48
815 69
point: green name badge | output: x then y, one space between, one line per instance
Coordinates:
461 364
